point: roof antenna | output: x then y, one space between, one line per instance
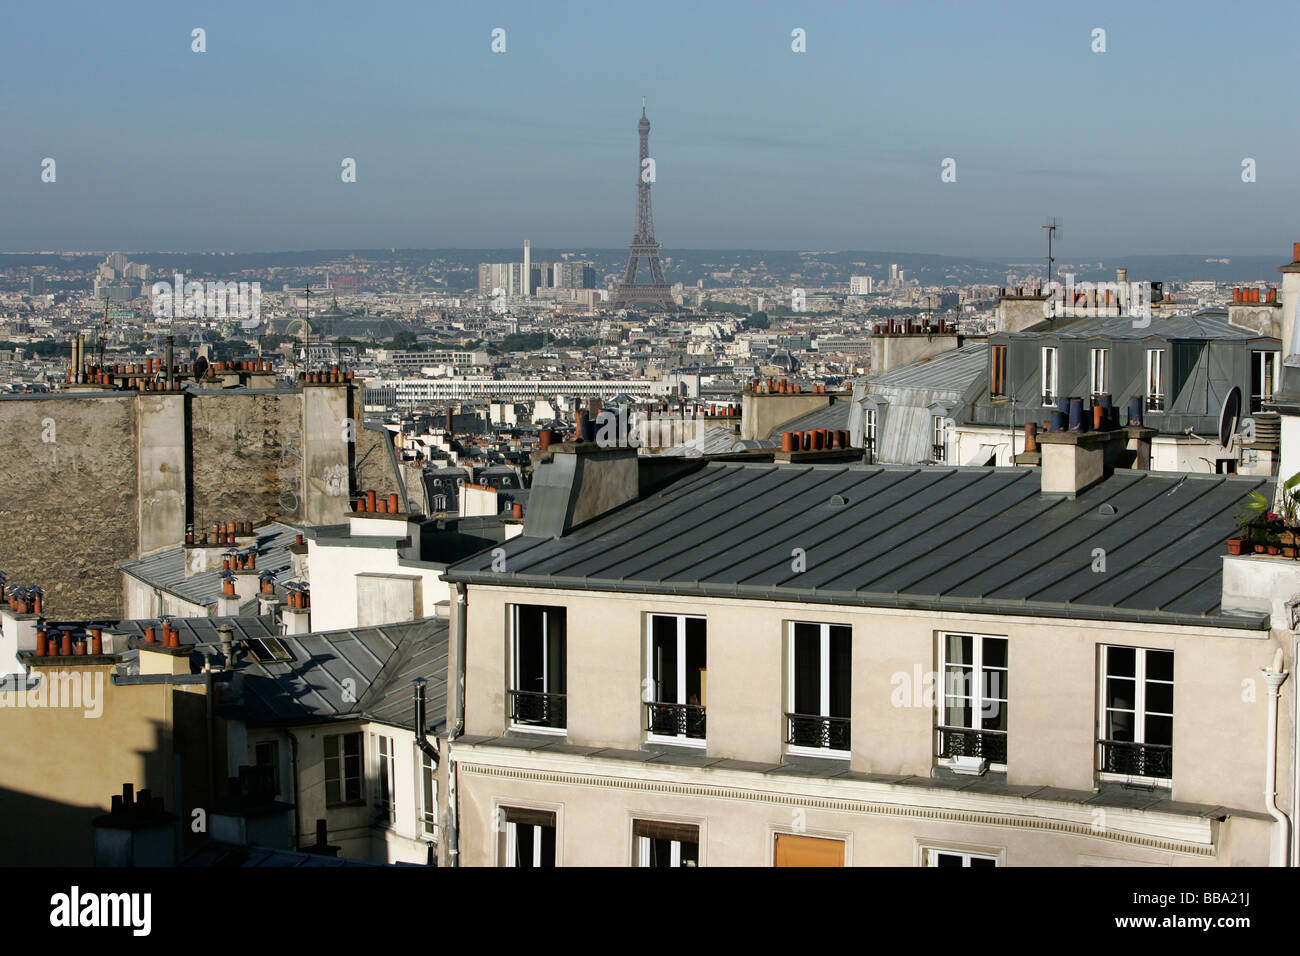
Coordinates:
1053 228
643 106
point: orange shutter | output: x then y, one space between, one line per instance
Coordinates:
794 850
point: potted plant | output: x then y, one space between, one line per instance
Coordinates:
1289 515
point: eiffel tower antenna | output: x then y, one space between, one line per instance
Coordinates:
644 245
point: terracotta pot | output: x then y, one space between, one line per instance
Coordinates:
1235 545
1273 548
1288 550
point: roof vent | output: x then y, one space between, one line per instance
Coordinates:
838 501
1107 509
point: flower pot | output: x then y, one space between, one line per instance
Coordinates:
1286 538
1235 545
1288 550
1273 548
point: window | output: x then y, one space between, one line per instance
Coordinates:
383 749
936 857
940 428
678 675
1137 712
869 427
998 354
1263 378
537 696
267 755
1155 380
1099 357
666 844
428 795
796 850
1050 381
343 771
819 683
529 837
973 721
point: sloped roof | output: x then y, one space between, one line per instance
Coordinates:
953 370
1203 324
983 540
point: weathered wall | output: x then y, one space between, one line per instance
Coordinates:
373 469
247 453
68 498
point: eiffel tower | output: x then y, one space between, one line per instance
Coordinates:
644 245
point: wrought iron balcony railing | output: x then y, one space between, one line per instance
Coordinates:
1137 760
1155 403
537 710
806 730
966 742
1049 399
940 453
675 720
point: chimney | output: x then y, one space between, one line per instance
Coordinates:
250 815
1074 461
137 831
322 845
573 483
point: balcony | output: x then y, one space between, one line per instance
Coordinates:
824 733
939 452
675 720
531 709
1155 403
965 742
1137 760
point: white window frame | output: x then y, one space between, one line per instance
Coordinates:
931 856
341 761
675 851
546 664
824 679
1139 708
939 425
1265 359
1155 379
1099 362
681 674
385 777
512 843
1050 375
428 801
869 426
975 693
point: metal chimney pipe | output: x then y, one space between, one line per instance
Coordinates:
171 363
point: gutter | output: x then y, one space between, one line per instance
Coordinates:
1280 844
457 729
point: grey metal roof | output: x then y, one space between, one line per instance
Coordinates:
715 440
953 370
166 569
218 854
983 540
1203 324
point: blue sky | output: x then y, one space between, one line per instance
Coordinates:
1138 149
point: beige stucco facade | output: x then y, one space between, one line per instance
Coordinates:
1220 712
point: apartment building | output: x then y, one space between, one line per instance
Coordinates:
794 663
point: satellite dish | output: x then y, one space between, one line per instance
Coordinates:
200 368
1228 417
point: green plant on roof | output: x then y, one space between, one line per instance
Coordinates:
1253 520
1288 505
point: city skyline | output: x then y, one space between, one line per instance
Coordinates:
837 147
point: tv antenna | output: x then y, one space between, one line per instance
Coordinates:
1053 227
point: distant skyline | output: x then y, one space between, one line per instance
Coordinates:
1139 149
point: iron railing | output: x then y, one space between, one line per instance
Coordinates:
807 730
940 452
537 710
675 720
967 742
1137 760
1155 403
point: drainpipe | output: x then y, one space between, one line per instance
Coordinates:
1295 754
430 750
1281 841
297 806
453 812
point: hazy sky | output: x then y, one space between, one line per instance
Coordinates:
1138 149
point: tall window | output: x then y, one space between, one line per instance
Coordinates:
939 427
343 769
974 717
1263 378
1099 357
677 669
428 795
869 426
1050 382
537 695
666 844
384 788
1155 380
998 354
820 668
267 754
529 837
1138 712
